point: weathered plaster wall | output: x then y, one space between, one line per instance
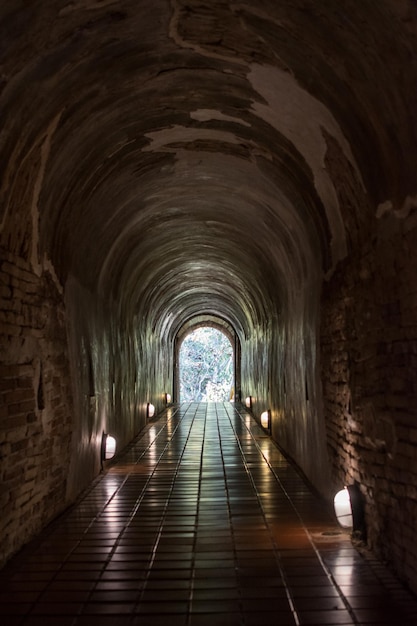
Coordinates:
35 402
281 371
57 397
369 365
117 367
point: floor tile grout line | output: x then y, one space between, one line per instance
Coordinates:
230 516
328 573
276 549
166 505
194 547
84 533
256 451
131 516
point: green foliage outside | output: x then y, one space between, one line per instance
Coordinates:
206 367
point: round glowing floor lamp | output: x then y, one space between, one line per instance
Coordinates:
350 511
108 447
266 419
343 509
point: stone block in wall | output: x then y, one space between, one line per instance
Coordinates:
34 336
412 435
372 316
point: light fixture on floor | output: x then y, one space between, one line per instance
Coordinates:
248 402
168 398
108 447
350 510
343 509
266 419
150 410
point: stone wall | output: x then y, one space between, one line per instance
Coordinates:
35 402
280 371
117 366
369 365
70 369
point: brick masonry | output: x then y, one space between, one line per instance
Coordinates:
35 403
369 366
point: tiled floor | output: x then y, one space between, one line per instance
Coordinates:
200 522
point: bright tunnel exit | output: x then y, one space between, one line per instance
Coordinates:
206 364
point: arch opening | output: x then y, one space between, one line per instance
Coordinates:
206 372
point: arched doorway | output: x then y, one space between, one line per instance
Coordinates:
207 353
206 366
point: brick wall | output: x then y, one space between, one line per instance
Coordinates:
35 401
369 377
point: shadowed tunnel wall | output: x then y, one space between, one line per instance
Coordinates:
178 160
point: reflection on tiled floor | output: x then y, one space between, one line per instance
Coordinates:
201 522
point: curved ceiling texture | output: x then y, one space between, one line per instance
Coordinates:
185 166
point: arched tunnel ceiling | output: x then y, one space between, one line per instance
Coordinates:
179 149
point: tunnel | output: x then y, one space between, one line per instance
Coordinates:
249 166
